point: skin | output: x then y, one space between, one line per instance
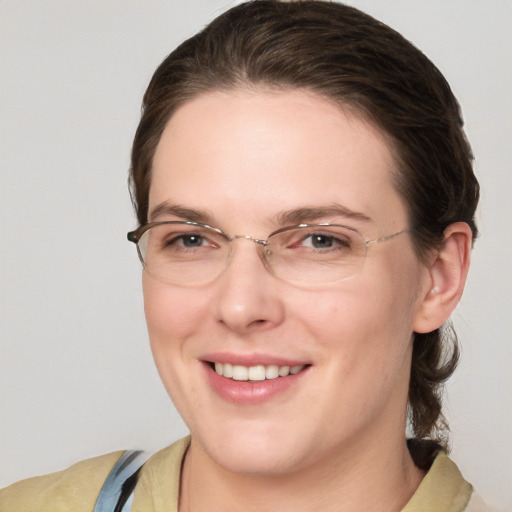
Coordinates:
243 158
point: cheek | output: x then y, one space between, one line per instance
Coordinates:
358 315
172 315
365 323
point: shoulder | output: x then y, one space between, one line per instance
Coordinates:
443 488
159 480
75 488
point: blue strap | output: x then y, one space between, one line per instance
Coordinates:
128 464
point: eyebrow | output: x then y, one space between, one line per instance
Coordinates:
307 214
301 215
177 210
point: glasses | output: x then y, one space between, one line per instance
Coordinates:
192 254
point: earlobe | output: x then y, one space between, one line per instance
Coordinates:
447 276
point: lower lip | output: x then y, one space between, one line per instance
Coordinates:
250 392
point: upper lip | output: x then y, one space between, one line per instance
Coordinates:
252 359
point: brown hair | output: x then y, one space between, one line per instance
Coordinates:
348 57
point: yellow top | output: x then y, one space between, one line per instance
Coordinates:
75 489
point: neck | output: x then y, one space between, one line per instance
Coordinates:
355 479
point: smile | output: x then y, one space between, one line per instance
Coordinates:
255 373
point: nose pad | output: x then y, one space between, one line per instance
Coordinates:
248 296
263 248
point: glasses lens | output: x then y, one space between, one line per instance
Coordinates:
316 254
181 253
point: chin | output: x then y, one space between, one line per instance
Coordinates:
252 451
254 462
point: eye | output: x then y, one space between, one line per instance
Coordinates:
178 242
325 241
187 241
191 240
319 241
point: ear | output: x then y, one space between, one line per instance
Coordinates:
447 272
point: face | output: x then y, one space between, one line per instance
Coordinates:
250 163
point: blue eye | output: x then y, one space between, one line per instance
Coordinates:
321 241
324 241
192 240
182 241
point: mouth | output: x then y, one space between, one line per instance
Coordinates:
256 373
254 379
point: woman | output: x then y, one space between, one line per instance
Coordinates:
306 204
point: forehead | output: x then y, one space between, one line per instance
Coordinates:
256 153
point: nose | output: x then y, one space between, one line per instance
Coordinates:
249 298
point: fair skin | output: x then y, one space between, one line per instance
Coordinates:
320 439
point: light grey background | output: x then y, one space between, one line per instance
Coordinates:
76 373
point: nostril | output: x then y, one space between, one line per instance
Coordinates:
257 322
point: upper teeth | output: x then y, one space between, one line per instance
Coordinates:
258 372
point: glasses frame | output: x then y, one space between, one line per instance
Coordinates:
135 235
